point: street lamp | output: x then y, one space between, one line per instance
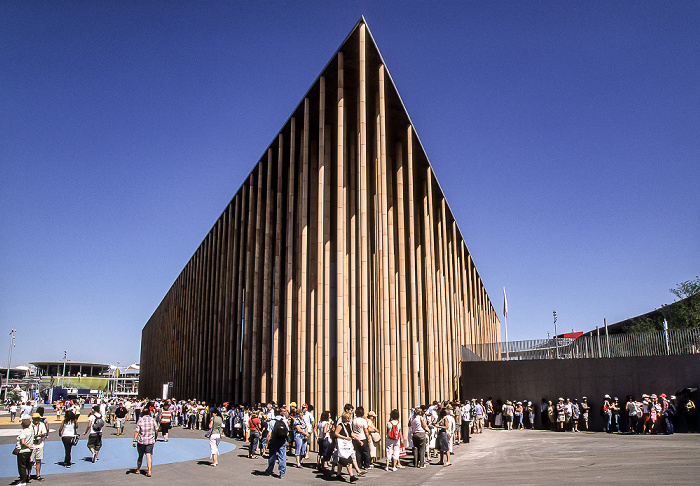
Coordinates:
556 336
63 378
9 360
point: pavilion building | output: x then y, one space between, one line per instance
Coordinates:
336 274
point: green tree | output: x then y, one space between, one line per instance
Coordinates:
680 314
643 324
684 313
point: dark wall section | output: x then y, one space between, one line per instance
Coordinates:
574 378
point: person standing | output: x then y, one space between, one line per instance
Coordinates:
490 416
466 421
323 428
165 420
277 444
40 430
255 425
68 432
308 418
575 414
94 431
360 431
479 417
346 452
301 437
144 439
25 443
374 436
443 440
585 410
216 424
13 412
120 414
394 439
419 426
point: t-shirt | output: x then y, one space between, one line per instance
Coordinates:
146 428
299 422
39 429
216 424
358 427
308 420
28 436
92 419
26 411
255 424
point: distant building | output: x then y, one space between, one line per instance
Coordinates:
336 274
87 378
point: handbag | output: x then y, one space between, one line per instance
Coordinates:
207 434
16 450
345 448
75 439
375 436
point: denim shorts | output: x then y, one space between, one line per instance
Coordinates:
300 449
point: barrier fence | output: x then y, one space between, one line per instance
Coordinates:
673 342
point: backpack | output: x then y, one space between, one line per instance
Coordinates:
279 431
394 432
671 410
98 424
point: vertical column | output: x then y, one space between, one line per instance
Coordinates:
265 394
235 336
301 391
248 293
364 228
416 297
321 263
277 337
289 279
256 294
431 327
341 275
403 314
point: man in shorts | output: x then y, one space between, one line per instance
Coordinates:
144 438
94 431
120 414
40 430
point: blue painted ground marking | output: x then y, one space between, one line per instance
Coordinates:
115 454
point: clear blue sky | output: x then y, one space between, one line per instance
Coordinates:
565 135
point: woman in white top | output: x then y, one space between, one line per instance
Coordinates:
419 427
67 431
323 429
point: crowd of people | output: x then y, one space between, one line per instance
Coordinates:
348 442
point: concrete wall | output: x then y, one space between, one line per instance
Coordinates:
574 378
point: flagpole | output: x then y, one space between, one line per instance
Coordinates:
505 320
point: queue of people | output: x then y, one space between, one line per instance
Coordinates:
347 442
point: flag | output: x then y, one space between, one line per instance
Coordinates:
668 343
505 303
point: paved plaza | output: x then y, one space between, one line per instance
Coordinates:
492 458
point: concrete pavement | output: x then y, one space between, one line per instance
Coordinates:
494 457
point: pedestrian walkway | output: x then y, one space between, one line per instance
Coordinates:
494 457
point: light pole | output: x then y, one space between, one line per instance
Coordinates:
9 360
63 378
556 336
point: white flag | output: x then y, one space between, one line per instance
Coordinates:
505 303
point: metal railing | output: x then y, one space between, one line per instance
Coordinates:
677 341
